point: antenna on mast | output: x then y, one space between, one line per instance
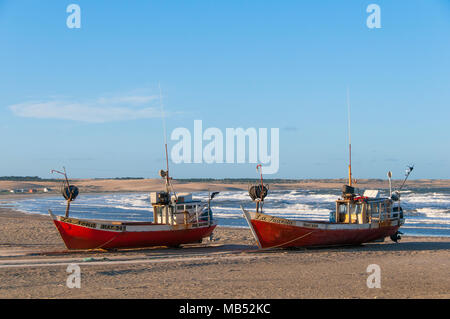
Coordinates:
349 141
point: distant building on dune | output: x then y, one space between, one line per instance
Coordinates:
14 191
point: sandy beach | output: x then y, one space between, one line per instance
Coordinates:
147 185
33 263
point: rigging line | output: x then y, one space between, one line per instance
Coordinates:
168 183
348 117
349 139
288 242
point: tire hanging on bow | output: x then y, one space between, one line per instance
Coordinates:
258 191
70 192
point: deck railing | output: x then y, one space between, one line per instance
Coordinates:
196 214
385 214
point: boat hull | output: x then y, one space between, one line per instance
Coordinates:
273 232
86 234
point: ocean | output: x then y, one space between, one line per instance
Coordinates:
427 210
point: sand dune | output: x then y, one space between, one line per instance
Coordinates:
146 185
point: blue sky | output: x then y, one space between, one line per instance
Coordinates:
88 98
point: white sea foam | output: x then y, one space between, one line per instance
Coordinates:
227 215
218 208
426 227
436 198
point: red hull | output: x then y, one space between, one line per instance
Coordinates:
81 237
274 235
273 232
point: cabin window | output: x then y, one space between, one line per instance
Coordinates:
352 208
350 213
355 209
342 212
184 207
382 210
375 210
388 208
356 213
369 210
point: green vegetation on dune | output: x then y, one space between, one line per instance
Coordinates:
26 179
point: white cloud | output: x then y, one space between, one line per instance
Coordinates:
100 110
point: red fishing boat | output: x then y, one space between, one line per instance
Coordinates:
177 220
176 224
356 220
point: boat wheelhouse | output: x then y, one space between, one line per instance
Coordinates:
183 211
368 208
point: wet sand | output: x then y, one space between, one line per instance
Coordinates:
33 263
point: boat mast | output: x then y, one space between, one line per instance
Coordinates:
167 177
165 139
349 141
